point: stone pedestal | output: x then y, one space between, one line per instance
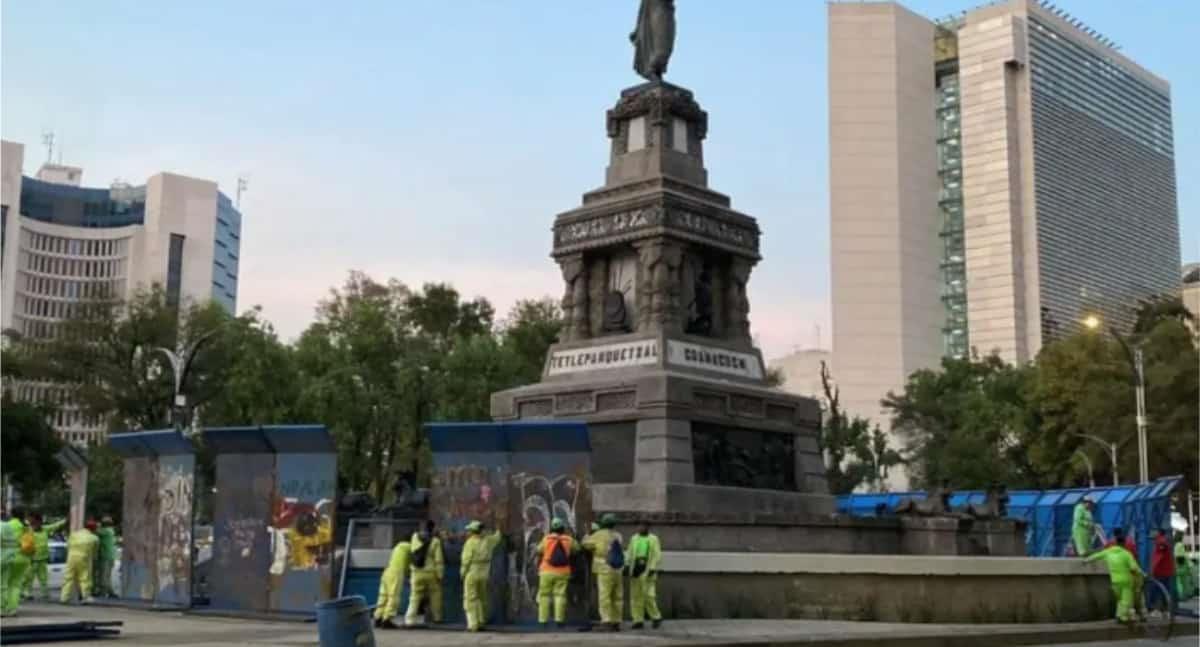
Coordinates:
656 354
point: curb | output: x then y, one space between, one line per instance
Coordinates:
967 637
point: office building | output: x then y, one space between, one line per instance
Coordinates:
993 176
64 243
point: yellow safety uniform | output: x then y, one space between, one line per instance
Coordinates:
14 562
643 594
1124 575
38 568
426 581
608 579
476 566
553 580
391 585
81 550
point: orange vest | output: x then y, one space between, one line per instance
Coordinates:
553 540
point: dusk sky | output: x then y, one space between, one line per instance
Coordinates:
436 140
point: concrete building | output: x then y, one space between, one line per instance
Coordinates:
802 371
992 177
63 243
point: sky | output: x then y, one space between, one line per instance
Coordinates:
436 140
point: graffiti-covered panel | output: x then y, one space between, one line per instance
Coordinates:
468 486
546 485
173 567
241 534
139 529
302 526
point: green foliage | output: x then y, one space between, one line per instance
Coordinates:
974 421
968 423
106 483
855 453
28 446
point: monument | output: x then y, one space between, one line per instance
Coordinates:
656 353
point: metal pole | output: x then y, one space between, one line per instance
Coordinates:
1112 452
1088 462
1143 448
1191 520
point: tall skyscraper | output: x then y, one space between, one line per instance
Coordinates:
63 243
994 177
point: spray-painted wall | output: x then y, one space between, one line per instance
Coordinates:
516 477
156 528
273 518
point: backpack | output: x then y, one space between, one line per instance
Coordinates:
27 545
418 556
616 556
558 555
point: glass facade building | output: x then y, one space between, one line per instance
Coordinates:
1104 186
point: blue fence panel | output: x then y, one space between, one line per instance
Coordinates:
1139 509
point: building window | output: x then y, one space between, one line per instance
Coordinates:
175 269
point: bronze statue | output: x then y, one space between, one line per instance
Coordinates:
614 312
654 38
700 319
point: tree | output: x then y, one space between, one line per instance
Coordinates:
106 357
1086 386
970 423
29 446
261 383
531 327
855 453
353 365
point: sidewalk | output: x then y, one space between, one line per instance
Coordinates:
183 630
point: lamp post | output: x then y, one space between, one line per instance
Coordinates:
1112 453
1134 352
181 361
1091 475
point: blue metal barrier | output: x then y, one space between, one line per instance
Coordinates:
1139 509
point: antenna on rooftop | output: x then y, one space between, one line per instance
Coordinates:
48 142
242 185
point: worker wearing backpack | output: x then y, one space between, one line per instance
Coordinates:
646 554
554 572
16 547
426 582
608 560
476 568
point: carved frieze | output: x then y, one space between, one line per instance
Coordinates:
608 228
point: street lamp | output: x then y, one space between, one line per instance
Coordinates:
1088 462
1112 453
1134 353
181 361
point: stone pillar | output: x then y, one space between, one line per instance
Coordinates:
75 465
664 451
574 302
597 279
737 304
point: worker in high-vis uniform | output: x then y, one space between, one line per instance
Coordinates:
1125 576
391 586
16 547
39 571
476 567
1083 526
554 573
645 555
81 550
426 561
608 561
